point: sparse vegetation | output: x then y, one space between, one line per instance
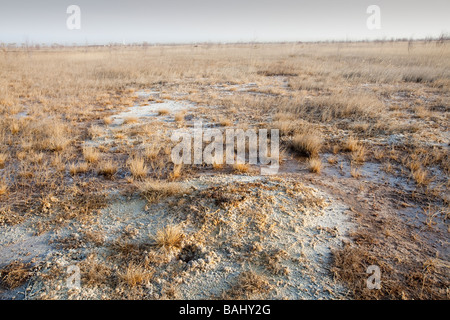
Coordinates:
107 168
80 167
308 144
169 238
241 167
3 187
130 120
134 275
369 117
249 284
107 120
163 112
154 190
14 274
179 117
137 167
91 155
315 165
3 157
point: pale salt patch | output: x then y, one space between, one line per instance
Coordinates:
151 110
19 243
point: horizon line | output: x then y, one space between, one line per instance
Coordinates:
442 37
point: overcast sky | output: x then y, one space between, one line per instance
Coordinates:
170 21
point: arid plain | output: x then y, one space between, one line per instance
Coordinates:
87 183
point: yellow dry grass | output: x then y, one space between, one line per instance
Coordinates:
53 101
137 167
169 237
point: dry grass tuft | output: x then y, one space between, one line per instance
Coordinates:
355 173
130 120
94 272
179 117
176 172
352 144
225 122
80 167
95 132
169 238
308 144
163 112
154 190
217 165
3 187
3 157
152 152
137 167
91 154
315 165
107 169
359 154
107 121
15 274
420 176
51 136
332 160
241 167
248 284
135 274
378 153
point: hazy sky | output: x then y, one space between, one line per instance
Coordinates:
105 21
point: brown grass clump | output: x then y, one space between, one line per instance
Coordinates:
3 187
179 117
107 121
107 169
153 190
91 154
378 153
15 274
76 168
94 272
14 128
130 120
286 127
352 144
3 157
135 274
169 238
359 154
163 112
355 173
51 136
248 284
241 167
420 176
315 165
332 160
95 132
308 144
36 158
413 165
176 172
217 165
405 279
152 152
225 122
137 167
